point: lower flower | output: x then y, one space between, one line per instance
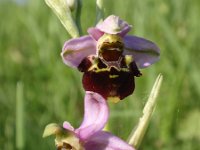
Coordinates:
89 136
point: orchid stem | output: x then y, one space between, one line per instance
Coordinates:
78 16
138 133
99 10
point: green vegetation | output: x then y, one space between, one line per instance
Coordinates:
36 88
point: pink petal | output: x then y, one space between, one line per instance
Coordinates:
95 33
114 25
95 116
106 141
75 50
68 126
143 51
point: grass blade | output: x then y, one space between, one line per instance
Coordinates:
138 133
19 116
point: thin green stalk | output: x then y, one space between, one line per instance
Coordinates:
99 10
137 134
78 16
19 116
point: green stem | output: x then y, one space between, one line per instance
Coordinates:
99 10
78 16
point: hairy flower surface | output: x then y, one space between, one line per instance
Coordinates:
89 136
109 58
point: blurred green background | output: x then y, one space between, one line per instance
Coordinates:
36 88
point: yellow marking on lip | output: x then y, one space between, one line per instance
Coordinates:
96 69
94 66
113 76
125 69
114 99
128 59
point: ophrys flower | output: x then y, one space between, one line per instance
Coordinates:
89 136
109 58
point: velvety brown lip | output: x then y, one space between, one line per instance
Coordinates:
108 81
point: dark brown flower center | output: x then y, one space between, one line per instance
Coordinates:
111 51
65 146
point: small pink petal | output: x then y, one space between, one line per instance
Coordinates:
106 141
68 126
114 25
143 51
95 116
95 33
75 50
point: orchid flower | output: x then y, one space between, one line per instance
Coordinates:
110 58
89 136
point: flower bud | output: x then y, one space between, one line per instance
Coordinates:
72 4
63 12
